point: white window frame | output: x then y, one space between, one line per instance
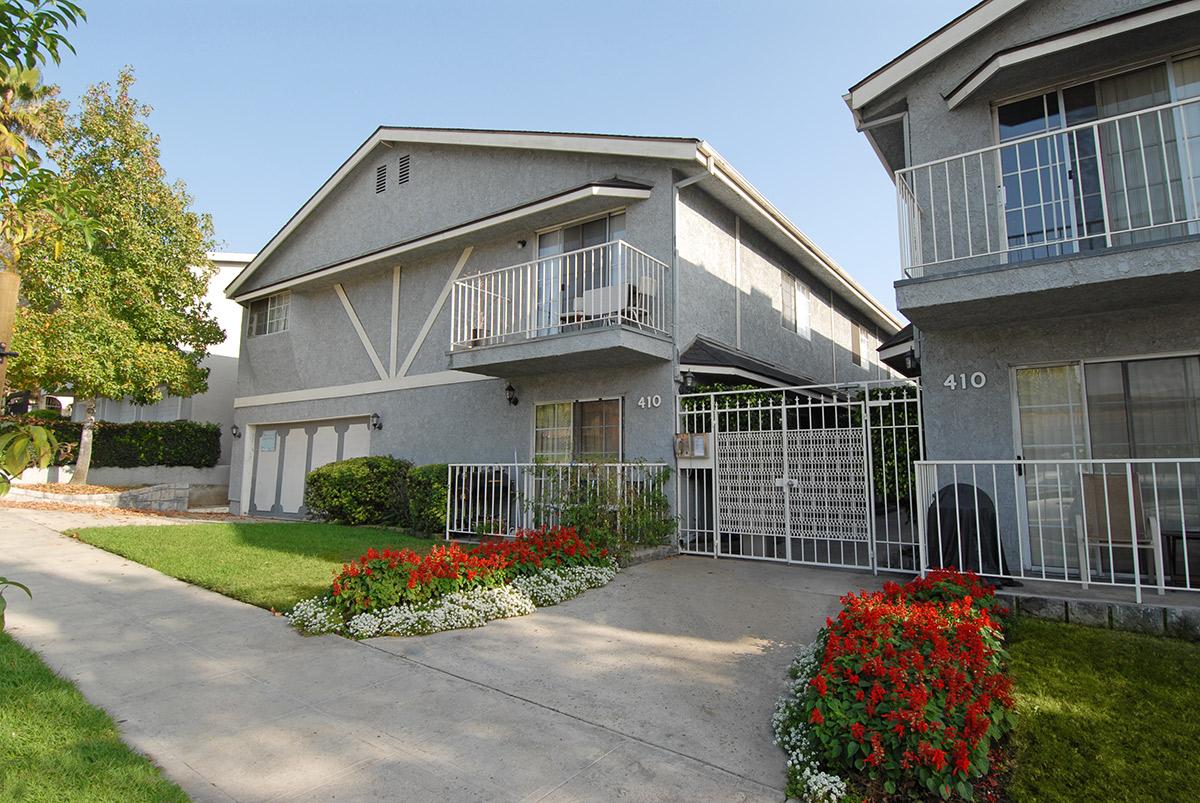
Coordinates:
275 308
620 400
1081 367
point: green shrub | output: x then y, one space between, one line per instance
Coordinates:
141 443
45 415
427 498
609 510
361 490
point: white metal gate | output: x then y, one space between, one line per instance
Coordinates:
820 474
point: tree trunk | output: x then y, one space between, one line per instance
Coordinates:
83 460
10 285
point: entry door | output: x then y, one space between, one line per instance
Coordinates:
1050 426
284 454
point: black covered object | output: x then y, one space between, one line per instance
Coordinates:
963 522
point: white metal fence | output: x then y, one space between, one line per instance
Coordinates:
1129 523
1120 180
498 499
818 474
612 283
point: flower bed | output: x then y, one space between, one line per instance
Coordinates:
404 593
904 695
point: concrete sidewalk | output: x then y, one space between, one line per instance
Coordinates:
657 687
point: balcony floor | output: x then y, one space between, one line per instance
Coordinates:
601 347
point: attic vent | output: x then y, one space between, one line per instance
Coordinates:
402 171
380 178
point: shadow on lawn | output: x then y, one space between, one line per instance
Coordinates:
324 541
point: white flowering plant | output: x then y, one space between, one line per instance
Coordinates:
548 581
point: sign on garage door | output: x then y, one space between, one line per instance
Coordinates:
285 453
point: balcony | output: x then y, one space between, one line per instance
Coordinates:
1103 188
522 318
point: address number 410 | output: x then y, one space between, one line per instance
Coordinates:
965 381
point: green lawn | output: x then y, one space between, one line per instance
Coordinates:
1104 715
272 565
55 746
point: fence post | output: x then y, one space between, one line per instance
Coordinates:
922 526
1133 533
716 497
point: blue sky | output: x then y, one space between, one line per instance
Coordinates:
258 102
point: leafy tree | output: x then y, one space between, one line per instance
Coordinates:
31 31
125 317
32 207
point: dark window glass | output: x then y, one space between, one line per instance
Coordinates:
1023 118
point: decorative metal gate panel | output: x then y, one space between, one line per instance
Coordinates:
817 474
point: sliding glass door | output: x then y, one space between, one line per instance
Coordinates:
1123 181
1051 419
565 270
1139 410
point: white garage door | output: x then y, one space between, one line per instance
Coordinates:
285 453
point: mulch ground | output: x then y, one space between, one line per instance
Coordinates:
64 488
165 514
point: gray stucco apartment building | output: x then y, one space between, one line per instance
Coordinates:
1046 156
502 296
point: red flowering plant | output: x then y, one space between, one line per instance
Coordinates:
908 696
530 551
383 578
380 579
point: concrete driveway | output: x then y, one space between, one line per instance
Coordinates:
659 686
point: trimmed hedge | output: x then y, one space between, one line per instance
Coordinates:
361 490
427 490
141 443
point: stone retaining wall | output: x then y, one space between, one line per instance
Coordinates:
166 496
1159 620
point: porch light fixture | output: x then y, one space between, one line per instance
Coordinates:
687 381
521 245
376 421
235 431
510 393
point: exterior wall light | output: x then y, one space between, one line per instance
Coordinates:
687 382
376 421
510 393
235 431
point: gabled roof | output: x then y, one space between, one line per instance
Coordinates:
711 357
932 47
691 153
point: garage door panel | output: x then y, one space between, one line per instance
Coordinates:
285 453
324 446
357 441
266 470
295 456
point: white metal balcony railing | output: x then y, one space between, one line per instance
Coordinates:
611 283
1125 179
1133 523
498 499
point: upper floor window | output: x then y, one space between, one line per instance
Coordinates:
596 231
796 306
857 353
1129 180
269 315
